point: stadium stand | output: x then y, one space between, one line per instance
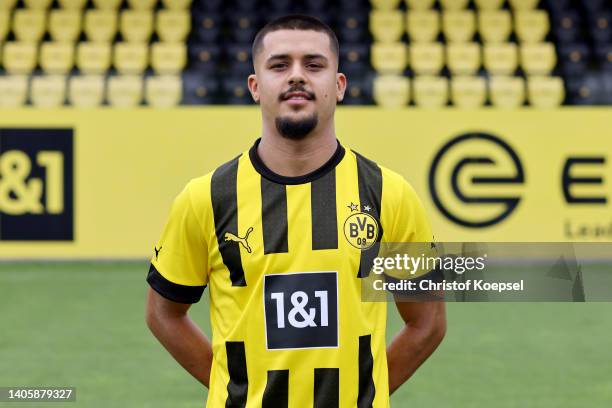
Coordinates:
464 53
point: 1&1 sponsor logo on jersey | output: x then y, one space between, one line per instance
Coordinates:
36 185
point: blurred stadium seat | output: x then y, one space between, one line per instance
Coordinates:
355 59
468 91
136 25
19 57
37 4
386 25
538 59
489 4
359 91
500 59
494 26
131 57
163 91
524 4
458 26
420 4
94 57
29 25
507 92
57 57
7 4
545 91
463 58
531 26
72 4
100 25
5 22
48 91
125 90
168 58
430 91
13 90
142 4
65 25
236 91
180 4
86 91
200 89
423 26
391 91
172 25
384 4
427 58
389 57
107 4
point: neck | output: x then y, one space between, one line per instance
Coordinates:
293 158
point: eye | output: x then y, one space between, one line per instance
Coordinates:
278 66
314 66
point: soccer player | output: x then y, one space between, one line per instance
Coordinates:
283 235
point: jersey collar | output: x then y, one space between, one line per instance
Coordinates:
261 168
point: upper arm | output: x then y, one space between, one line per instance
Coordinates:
159 307
179 267
426 315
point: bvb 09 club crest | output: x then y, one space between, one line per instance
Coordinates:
361 229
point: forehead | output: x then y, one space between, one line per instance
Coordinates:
296 43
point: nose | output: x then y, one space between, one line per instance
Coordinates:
296 76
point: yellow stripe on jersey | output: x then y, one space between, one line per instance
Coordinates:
284 259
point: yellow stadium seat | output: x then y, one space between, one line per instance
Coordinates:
86 91
107 4
427 58
13 90
173 25
93 57
7 4
538 59
168 58
142 4
136 25
100 25
57 57
419 4
19 57
430 91
48 91
489 4
29 25
391 91
463 58
38 4
454 4
163 91
65 25
389 58
384 4
507 92
423 26
458 26
494 26
131 57
5 23
545 91
125 90
72 4
177 4
386 25
500 59
524 4
531 26
468 91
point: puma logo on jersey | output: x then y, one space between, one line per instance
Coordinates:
243 241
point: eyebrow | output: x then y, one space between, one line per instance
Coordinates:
287 56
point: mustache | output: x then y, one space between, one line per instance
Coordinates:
285 95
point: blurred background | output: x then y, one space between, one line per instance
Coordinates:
108 107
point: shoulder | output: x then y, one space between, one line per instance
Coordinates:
393 183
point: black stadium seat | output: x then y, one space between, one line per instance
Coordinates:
206 25
243 25
199 89
575 58
204 57
236 91
567 26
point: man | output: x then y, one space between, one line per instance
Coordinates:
283 235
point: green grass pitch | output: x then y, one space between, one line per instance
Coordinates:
82 324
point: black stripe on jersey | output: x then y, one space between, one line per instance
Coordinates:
326 387
225 210
369 178
276 394
238 385
173 291
365 398
274 216
323 207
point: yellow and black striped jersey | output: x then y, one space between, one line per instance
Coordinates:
284 258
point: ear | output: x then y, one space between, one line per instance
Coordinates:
340 86
253 87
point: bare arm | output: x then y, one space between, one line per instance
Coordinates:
182 338
416 341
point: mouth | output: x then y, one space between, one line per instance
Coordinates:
297 98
